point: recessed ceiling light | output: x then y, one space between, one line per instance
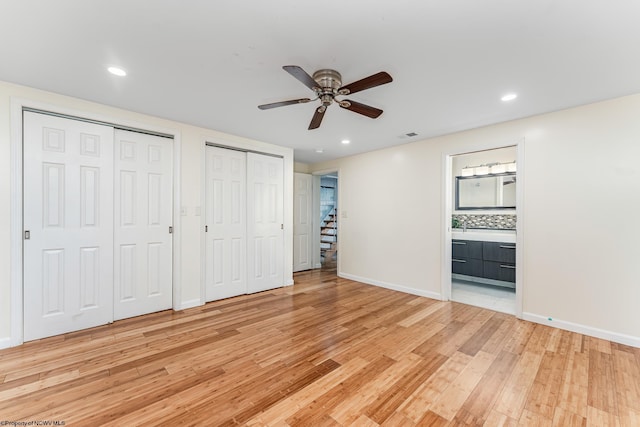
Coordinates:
117 71
509 97
319 150
345 141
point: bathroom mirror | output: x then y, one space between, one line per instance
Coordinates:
486 192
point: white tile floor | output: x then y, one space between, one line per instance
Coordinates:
492 297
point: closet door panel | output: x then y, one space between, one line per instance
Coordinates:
143 202
265 220
68 213
302 221
226 219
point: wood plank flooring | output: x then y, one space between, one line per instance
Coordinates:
325 352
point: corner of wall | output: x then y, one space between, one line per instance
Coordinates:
392 286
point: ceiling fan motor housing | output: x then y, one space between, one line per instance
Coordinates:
329 80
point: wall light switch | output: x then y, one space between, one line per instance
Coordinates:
183 211
344 214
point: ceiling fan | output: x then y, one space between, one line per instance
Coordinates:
327 84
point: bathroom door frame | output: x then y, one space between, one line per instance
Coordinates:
447 211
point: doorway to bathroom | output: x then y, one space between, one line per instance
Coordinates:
481 213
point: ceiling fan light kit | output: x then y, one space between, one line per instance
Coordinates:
327 84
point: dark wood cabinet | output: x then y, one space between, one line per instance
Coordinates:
467 266
466 249
487 260
499 271
497 251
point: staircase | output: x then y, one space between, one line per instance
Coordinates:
328 237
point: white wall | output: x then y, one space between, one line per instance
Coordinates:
192 152
581 195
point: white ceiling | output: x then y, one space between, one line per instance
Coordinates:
210 63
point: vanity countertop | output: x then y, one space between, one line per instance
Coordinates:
507 236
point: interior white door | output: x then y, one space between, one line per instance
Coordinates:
226 219
302 222
68 213
143 199
265 220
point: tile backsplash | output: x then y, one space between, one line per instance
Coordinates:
492 221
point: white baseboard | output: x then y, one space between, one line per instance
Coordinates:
585 330
392 286
5 342
189 304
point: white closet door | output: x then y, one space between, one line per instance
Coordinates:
265 221
226 236
302 222
68 212
143 202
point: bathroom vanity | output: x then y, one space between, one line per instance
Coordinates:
484 257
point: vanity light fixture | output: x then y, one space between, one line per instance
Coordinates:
481 170
319 150
345 141
467 171
498 168
488 169
509 97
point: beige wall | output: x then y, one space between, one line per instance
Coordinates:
192 152
579 240
301 167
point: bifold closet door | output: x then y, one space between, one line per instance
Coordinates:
265 222
226 235
143 199
68 222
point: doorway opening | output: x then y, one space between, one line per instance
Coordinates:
329 221
483 187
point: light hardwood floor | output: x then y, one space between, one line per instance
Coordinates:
326 352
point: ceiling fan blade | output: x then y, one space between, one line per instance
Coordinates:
283 103
301 75
317 118
377 79
359 108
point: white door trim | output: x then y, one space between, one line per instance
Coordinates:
447 211
316 196
16 263
315 224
